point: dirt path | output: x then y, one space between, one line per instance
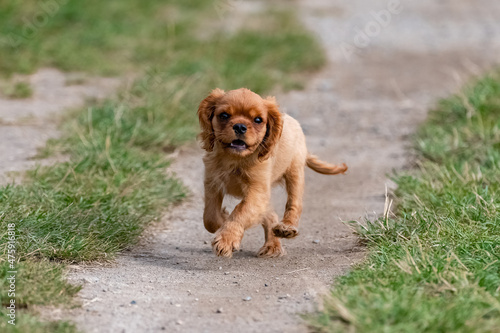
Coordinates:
360 111
26 124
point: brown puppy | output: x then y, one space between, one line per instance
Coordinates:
250 147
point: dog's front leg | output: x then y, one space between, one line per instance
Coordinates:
245 215
213 215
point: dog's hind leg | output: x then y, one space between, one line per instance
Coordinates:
294 179
272 247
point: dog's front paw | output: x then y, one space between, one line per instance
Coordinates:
274 250
283 230
226 241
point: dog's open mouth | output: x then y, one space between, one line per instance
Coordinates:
238 145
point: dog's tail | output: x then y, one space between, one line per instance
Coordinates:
324 168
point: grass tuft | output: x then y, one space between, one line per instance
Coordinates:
18 90
435 266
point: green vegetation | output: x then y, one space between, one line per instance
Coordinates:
18 90
435 267
110 38
114 183
39 282
99 37
27 323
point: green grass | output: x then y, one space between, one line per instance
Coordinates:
17 90
26 322
114 183
435 266
38 282
105 37
113 37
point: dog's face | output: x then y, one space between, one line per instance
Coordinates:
240 122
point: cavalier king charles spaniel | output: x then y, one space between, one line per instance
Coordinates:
250 147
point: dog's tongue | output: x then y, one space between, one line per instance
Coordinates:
238 144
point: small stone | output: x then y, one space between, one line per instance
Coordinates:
316 241
226 273
266 285
325 86
133 302
220 268
179 322
91 279
196 299
205 242
219 310
177 305
248 298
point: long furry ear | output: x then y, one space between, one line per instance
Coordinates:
274 128
205 114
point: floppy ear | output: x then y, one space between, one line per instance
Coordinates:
205 114
274 128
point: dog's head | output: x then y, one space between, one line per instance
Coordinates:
240 122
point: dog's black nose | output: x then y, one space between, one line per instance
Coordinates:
240 129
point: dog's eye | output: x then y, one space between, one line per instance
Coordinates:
224 116
258 120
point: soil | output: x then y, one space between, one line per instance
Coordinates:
360 110
26 124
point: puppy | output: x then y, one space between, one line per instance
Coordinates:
250 147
